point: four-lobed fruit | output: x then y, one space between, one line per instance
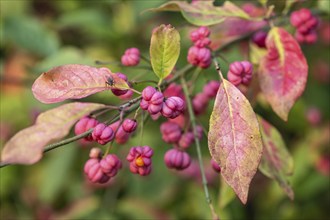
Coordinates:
140 160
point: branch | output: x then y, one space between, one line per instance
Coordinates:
198 148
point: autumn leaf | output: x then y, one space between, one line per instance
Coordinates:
164 50
73 81
234 138
203 12
282 72
26 147
276 162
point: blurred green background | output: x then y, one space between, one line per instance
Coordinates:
38 35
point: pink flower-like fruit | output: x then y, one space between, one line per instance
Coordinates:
140 160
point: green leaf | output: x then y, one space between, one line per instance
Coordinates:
263 2
204 12
276 162
164 50
324 5
234 138
31 35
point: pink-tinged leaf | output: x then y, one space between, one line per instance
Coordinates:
204 12
234 28
282 72
234 138
276 162
26 147
73 81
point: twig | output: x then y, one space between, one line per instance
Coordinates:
198 148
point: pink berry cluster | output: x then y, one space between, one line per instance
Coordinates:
172 133
201 100
103 133
131 57
100 170
199 54
306 24
240 73
154 102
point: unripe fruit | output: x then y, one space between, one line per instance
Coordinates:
259 38
140 160
186 140
84 125
121 136
306 24
95 153
215 166
103 134
101 170
152 100
94 172
110 165
177 159
129 125
199 57
240 73
200 103
314 116
171 132
131 57
172 107
211 88
174 90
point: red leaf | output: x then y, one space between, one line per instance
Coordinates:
73 81
282 72
276 162
234 138
26 146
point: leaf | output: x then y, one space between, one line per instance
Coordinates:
263 2
203 12
282 72
30 34
234 138
234 28
324 6
26 147
276 162
164 50
73 81
256 53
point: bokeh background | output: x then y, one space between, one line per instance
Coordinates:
38 35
